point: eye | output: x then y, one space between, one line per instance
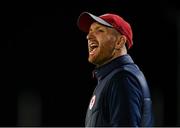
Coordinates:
100 30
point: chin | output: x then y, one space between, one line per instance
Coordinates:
92 60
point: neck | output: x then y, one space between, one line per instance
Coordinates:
116 53
112 58
120 52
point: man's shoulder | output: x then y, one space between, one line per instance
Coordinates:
128 70
126 76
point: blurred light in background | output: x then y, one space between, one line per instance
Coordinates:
29 108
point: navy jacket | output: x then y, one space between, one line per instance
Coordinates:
121 97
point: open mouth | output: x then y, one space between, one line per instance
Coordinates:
92 48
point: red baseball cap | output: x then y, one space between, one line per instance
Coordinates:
110 20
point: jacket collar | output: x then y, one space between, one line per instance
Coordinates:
104 70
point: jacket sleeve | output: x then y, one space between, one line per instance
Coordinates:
124 100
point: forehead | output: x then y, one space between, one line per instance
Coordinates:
97 25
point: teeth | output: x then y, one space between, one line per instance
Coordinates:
92 43
92 46
92 51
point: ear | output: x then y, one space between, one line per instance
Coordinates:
120 42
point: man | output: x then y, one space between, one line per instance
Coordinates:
121 97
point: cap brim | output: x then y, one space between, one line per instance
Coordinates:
86 19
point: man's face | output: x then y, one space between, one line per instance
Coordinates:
101 44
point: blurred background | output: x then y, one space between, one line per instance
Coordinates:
46 78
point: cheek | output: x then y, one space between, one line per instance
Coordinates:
107 49
107 43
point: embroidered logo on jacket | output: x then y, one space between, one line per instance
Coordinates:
93 99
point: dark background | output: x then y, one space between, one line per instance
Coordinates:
46 78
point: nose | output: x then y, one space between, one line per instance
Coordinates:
90 35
